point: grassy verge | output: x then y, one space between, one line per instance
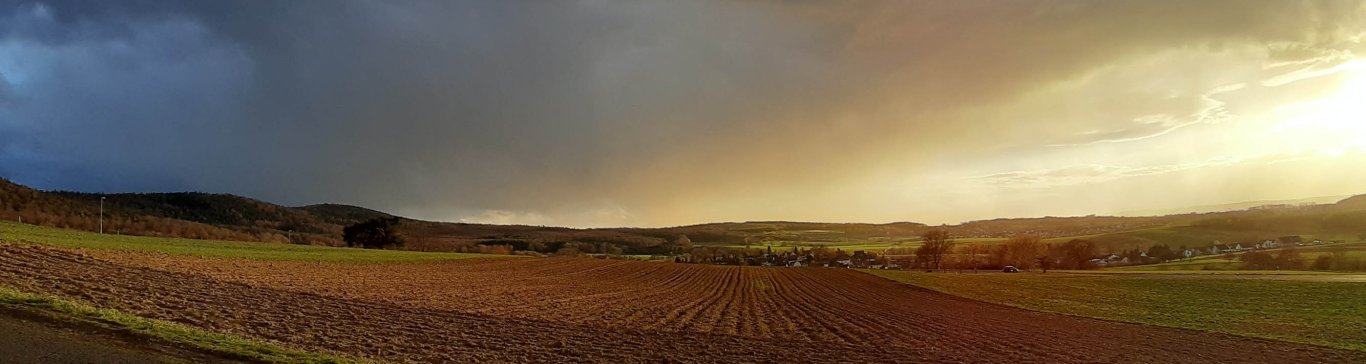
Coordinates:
74 239
235 346
1305 311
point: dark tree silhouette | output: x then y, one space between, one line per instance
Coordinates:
1077 253
1256 260
378 233
1289 258
1162 253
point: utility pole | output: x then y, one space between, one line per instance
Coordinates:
101 215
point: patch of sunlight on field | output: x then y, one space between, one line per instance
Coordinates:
73 239
1315 310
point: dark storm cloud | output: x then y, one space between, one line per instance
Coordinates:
5 94
444 109
404 101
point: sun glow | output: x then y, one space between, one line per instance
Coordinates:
1337 123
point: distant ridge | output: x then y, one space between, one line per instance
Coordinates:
230 217
182 214
1236 206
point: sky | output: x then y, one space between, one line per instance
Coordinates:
661 113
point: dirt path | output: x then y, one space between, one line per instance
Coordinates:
666 313
28 339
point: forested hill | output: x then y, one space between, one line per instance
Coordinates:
182 214
230 217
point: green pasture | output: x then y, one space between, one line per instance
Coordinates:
1308 308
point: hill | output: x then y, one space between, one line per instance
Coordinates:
181 214
1235 206
230 217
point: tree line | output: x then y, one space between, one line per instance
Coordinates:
938 251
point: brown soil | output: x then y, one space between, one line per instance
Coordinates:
595 310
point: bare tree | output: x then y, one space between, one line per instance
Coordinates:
935 244
972 251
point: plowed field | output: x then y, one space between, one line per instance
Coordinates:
596 310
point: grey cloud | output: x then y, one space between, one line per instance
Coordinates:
401 104
5 94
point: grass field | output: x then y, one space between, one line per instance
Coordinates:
1306 311
74 239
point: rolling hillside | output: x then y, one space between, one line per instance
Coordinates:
230 217
182 214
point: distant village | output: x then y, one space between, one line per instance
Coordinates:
795 257
1077 254
1217 248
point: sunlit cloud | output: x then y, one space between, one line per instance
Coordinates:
1335 124
505 217
1073 175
